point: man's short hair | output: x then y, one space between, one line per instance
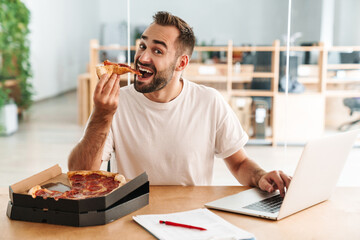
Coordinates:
186 38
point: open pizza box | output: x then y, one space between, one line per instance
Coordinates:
82 212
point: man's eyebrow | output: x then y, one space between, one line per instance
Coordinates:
160 42
155 41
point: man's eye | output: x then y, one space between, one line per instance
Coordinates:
157 51
142 46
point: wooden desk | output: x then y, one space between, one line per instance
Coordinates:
337 218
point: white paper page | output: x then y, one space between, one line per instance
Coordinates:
217 228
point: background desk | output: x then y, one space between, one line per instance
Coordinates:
337 218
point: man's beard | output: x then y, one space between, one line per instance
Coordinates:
159 81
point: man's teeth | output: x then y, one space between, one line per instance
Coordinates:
144 70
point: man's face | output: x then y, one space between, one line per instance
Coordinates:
156 58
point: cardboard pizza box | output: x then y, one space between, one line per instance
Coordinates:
19 196
130 203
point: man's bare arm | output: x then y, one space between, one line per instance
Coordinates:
247 172
88 152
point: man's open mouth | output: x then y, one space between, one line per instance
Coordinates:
145 71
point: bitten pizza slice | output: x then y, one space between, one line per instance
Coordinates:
117 68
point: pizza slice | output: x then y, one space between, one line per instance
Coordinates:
93 183
117 68
84 184
45 193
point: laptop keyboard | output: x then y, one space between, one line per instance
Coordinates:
271 204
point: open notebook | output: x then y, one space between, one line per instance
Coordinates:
217 227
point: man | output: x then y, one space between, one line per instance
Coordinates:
165 125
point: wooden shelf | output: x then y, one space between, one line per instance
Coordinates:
251 93
342 94
342 80
343 67
210 78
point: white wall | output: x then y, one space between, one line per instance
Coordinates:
61 30
255 22
306 18
347 23
60 34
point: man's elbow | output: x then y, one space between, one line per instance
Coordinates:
74 160
76 164
71 163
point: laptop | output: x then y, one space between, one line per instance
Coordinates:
313 182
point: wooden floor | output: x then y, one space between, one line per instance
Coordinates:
50 130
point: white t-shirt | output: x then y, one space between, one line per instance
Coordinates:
174 142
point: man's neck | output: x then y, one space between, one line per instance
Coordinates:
168 93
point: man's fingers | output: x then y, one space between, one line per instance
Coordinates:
116 86
109 84
100 85
280 185
286 179
266 185
276 178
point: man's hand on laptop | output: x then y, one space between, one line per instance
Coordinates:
275 180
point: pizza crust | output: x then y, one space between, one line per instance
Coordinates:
33 190
88 172
120 178
110 69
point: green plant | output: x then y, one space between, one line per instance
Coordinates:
14 48
4 99
4 96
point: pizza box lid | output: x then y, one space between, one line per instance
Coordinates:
132 202
19 197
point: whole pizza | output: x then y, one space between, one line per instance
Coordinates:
84 184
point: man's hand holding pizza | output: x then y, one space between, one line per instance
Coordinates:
106 95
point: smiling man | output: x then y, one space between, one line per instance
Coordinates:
165 125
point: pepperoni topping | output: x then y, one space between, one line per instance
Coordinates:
42 193
123 65
111 185
93 176
77 184
106 62
77 177
94 188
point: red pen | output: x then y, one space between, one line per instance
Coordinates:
181 225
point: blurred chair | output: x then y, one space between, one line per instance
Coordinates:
354 105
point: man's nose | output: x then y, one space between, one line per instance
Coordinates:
144 56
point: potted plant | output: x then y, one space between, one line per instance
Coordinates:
8 113
15 51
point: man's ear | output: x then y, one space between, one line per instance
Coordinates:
182 63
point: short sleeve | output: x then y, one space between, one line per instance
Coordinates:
230 136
